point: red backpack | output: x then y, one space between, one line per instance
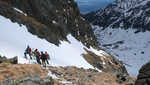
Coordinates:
29 50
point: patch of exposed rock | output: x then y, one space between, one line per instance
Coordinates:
80 76
11 60
16 71
109 64
25 74
105 62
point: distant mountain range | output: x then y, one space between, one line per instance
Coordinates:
124 14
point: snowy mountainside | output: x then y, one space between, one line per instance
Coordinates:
67 33
126 4
128 46
52 20
57 27
123 14
14 40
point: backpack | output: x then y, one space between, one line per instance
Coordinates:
26 51
29 50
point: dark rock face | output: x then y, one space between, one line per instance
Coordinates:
49 19
123 14
144 75
12 60
29 81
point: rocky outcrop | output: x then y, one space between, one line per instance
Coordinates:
29 81
52 20
109 64
80 76
144 75
105 62
25 74
11 60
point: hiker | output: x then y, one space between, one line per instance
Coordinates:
47 57
28 51
37 55
43 57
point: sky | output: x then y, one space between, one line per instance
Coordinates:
86 6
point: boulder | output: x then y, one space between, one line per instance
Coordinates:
144 75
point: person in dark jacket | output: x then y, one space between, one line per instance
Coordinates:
43 57
37 55
28 51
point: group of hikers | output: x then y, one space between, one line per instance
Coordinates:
44 56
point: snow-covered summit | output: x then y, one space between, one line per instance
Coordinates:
126 4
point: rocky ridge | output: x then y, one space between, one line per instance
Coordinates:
80 76
60 76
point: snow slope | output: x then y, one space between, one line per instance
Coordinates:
14 40
130 47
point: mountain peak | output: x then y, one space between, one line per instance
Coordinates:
124 14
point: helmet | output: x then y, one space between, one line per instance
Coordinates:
36 49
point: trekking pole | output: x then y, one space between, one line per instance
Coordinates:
2 53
